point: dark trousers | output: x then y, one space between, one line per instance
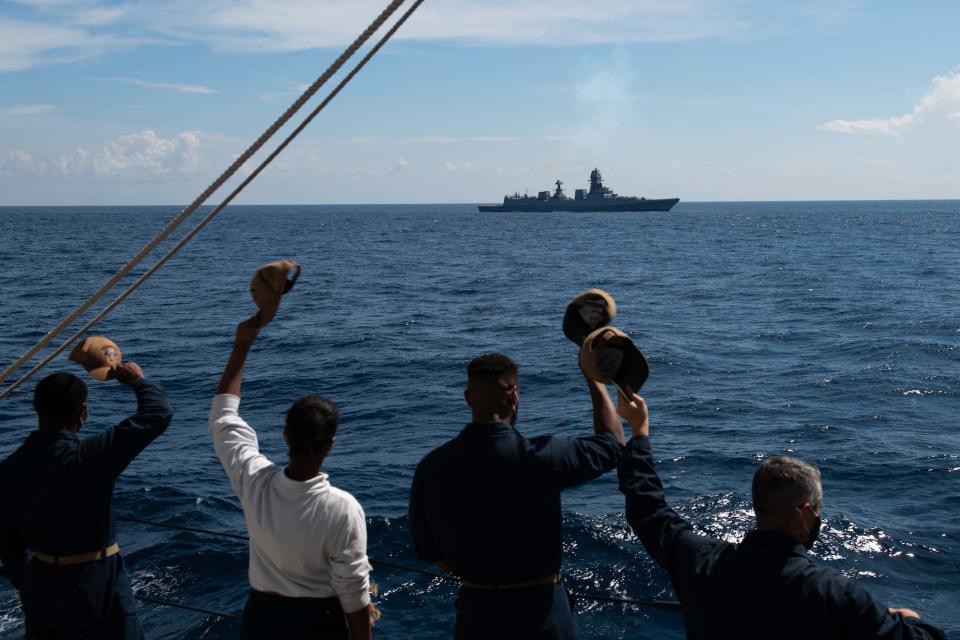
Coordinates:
268 616
531 613
89 601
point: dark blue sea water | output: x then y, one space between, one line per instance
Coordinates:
828 330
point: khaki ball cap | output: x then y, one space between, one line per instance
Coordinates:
99 355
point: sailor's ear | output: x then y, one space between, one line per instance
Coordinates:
285 438
466 396
82 412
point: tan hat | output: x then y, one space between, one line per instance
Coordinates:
269 284
609 356
588 312
99 356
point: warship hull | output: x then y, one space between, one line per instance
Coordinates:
533 204
598 198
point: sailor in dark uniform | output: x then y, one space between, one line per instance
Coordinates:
486 506
57 533
766 587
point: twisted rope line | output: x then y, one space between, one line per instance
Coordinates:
213 214
190 209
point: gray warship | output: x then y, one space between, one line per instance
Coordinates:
598 198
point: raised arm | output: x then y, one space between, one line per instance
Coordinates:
120 444
605 418
234 441
668 538
245 336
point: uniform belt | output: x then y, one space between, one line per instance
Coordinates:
79 558
552 578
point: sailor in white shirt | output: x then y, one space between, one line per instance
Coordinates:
308 539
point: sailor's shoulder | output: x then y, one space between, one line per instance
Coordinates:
440 455
344 500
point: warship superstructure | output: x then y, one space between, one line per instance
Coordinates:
598 198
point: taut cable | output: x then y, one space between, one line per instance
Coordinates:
213 214
190 209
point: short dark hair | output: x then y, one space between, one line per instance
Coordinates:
783 484
490 365
59 396
311 424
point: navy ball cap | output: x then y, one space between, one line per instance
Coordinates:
59 396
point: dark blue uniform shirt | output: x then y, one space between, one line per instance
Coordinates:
488 501
765 588
56 498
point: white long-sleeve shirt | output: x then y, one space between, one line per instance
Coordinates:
307 539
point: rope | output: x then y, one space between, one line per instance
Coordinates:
190 209
658 604
213 214
208 532
187 607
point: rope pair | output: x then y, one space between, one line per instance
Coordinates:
214 186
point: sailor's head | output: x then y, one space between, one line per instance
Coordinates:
787 497
311 427
493 390
60 401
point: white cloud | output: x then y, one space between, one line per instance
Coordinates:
18 161
27 44
145 153
399 166
291 25
182 88
100 16
134 155
944 95
26 109
60 31
891 125
375 140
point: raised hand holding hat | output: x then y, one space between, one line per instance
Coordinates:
99 355
609 356
269 284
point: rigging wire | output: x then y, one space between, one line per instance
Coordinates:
186 607
657 604
210 190
213 214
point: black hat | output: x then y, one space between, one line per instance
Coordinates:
609 356
588 312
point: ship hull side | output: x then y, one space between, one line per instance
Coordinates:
663 204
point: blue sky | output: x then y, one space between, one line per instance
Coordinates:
136 102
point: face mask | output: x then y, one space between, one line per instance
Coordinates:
813 535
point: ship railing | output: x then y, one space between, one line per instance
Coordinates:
377 561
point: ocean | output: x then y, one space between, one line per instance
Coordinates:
824 330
